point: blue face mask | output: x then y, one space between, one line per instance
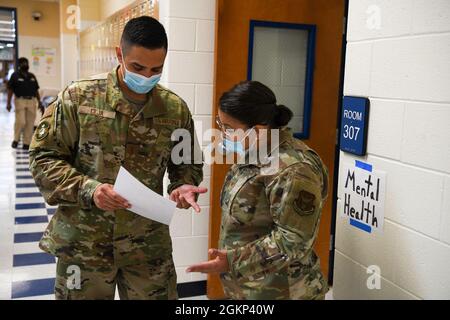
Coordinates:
138 83
229 146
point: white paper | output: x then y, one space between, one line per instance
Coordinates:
363 196
144 201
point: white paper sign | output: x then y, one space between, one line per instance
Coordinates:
363 196
144 201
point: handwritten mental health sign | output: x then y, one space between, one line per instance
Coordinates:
363 196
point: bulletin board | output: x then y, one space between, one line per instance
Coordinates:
97 43
43 61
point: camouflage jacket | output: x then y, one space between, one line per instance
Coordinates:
82 140
270 223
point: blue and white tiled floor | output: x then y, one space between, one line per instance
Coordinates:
25 271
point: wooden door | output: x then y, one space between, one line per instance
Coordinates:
231 65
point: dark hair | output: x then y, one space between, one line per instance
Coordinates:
145 32
252 103
22 60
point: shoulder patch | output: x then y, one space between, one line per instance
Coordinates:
42 130
304 204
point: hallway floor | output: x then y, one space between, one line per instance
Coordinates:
25 271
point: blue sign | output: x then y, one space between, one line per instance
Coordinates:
354 123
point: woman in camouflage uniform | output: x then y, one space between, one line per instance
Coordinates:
270 218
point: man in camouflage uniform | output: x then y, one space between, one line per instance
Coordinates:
85 136
270 222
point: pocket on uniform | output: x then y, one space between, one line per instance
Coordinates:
162 147
112 144
89 145
89 128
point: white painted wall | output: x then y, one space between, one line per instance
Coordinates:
404 68
26 44
70 58
189 73
108 7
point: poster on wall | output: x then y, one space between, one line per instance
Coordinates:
43 61
363 196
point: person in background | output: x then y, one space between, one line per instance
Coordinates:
25 88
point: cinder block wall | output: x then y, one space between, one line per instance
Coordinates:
398 55
189 72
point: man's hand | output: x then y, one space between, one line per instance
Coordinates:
185 196
107 199
8 107
219 264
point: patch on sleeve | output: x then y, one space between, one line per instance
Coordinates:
42 130
304 204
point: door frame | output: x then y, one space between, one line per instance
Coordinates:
337 153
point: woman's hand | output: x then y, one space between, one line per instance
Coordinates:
219 263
